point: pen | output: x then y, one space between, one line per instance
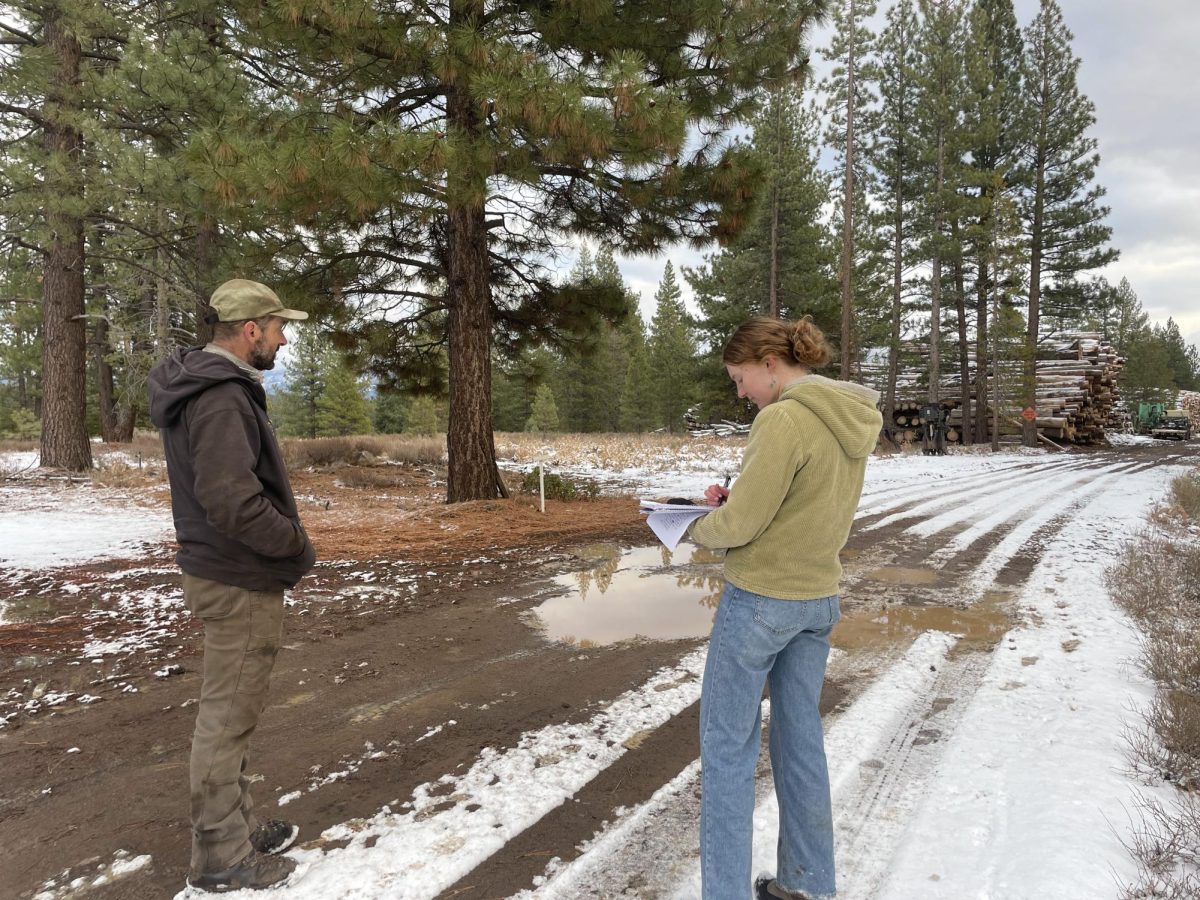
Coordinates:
728 478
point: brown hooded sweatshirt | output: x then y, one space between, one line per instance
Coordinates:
235 515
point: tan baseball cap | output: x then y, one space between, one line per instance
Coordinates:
240 299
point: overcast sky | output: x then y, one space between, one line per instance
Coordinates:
1141 67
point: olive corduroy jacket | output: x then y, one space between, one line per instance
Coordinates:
789 513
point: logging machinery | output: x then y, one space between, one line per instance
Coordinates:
933 429
1149 416
1175 425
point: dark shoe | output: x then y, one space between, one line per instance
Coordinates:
766 889
273 836
254 873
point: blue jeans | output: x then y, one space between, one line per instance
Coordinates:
785 643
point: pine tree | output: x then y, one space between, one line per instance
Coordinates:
1064 218
939 76
848 92
390 412
995 120
637 413
437 158
1147 376
671 354
307 377
341 408
894 155
788 236
422 416
544 414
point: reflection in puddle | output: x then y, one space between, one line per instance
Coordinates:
641 592
979 626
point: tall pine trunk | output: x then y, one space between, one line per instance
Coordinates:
1029 434
64 339
964 347
889 403
848 206
981 352
206 249
471 451
935 310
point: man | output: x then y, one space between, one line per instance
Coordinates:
241 545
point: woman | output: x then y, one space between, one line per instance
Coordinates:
783 524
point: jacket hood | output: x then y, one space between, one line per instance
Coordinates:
848 410
186 373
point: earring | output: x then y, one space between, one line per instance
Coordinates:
773 384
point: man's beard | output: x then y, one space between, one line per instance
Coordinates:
260 358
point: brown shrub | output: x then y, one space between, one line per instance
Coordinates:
1157 581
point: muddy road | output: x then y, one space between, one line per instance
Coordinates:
427 641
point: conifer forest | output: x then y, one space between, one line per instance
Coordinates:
449 188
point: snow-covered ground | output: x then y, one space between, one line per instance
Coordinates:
1021 796
42 529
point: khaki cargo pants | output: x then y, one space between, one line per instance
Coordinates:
242 630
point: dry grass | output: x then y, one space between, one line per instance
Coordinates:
304 453
654 452
1157 581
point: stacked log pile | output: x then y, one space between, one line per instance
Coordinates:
1190 401
1076 393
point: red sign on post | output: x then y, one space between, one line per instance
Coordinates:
1029 414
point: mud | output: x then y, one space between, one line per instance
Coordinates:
489 615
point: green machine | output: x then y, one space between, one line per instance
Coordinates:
1149 416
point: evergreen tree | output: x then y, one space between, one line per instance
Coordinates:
544 414
894 154
788 236
307 377
436 158
1180 357
583 378
390 412
995 134
341 408
1147 376
1063 215
637 413
422 416
848 93
671 354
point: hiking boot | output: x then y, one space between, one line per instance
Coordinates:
254 873
273 836
768 889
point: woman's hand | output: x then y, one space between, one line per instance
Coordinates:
714 494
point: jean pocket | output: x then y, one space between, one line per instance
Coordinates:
789 616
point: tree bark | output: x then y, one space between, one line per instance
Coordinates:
105 394
1029 437
64 339
470 447
981 352
964 347
848 207
935 310
207 236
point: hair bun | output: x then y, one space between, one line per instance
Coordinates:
809 348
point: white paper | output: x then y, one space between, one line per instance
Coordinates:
670 521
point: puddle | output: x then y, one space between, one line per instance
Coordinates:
643 592
979 626
31 608
898 575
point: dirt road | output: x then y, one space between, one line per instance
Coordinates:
433 635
